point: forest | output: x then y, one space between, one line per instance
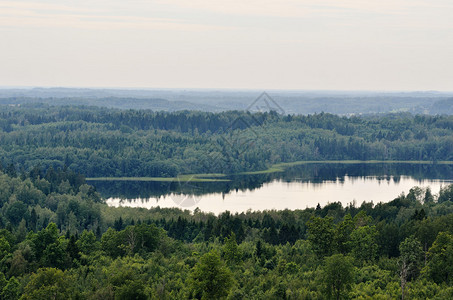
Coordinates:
59 240
101 142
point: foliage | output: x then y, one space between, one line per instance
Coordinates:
231 252
363 243
338 275
49 283
58 240
321 235
210 279
440 264
410 260
100 142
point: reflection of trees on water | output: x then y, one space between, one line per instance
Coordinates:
314 173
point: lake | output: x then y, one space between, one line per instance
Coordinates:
295 188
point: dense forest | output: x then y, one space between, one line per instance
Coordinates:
100 142
58 240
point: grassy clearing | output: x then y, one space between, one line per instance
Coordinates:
272 169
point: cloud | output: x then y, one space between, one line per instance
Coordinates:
36 6
340 11
291 8
31 14
209 15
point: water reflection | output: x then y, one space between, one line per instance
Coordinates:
313 173
297 187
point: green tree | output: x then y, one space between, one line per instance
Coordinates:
11 170
343 234
49 283
362 219
4 247
446 194
410 260
11 290
230 251
111 242
415 194
55 256
440 258
321 235
141 238
429 198
337 275
18 264
44 238
15 212
87 242
3 281
210 278
363 243
21 231
131 290
72 250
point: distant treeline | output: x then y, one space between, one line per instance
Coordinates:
293 102
110 142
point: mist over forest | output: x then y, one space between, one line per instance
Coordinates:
213 100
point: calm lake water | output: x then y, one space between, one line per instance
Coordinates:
296 188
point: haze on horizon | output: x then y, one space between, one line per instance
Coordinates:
285 44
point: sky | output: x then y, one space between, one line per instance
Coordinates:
379 45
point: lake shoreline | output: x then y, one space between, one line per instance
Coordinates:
280 167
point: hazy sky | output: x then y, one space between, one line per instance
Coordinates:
260 44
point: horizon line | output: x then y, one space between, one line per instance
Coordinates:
26 87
